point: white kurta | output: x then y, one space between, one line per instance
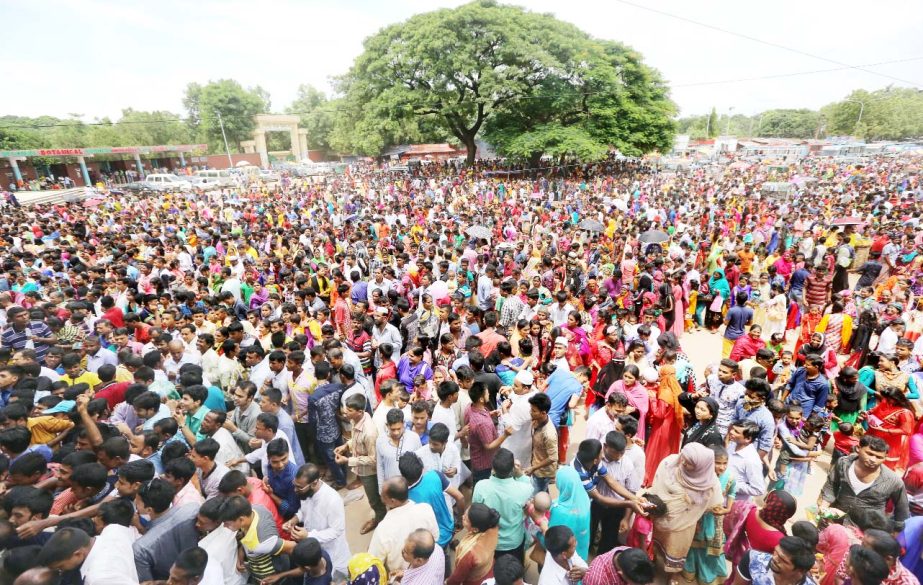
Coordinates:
324 517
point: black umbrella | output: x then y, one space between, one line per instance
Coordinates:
654 237
591 225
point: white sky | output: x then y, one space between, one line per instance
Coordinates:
95 57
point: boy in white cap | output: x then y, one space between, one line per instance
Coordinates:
559 354
515 414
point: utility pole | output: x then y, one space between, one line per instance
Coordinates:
225 136
727 130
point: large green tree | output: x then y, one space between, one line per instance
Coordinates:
891 113
788 123
455 69
604 97
235 104
711 126
317 113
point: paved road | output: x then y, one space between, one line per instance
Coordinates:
703 348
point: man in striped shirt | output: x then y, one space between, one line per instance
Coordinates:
23 333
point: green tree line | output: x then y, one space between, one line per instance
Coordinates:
891 113
527 83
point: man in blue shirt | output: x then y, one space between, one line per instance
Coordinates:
752 407
564 389
279 483
271 402
429 488
808 386
796 282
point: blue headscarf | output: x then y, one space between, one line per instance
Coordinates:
572 509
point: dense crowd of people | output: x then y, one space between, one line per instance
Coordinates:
194 386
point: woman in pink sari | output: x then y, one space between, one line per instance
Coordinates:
784 265
576 336
916 446
636 393
836 539
680 306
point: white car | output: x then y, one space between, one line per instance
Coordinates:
269 176
203 183
168 182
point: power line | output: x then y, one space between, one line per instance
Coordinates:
795 74
75 123
765 42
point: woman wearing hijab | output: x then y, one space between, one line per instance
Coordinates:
717 286
755 528
809 323
365 569
851 395
572 508
475 553
818 346
688 485
705 430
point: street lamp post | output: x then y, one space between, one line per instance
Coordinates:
727 129
225 136
861 109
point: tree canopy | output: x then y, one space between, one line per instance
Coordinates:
887 114
546 84
235 104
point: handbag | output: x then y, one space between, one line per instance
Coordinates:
716 304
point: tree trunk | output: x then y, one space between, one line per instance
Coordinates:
535 160
468 140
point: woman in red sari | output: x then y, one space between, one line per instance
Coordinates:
892 419
747 345
665 416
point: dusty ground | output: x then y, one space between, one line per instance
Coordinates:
703 348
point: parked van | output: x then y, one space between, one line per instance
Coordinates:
168 182
220 177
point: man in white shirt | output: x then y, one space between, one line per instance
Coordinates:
441 455
563 565
107 559
403 517
385 332
177 357
744 460
219 542
231 284
213 426
516 413
210 358
97 355
634 454
603 420
887 341
322 516
560 310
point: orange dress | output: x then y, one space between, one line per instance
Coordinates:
665 417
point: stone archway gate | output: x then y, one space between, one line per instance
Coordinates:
277 123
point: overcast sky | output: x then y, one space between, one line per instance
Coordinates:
95 57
